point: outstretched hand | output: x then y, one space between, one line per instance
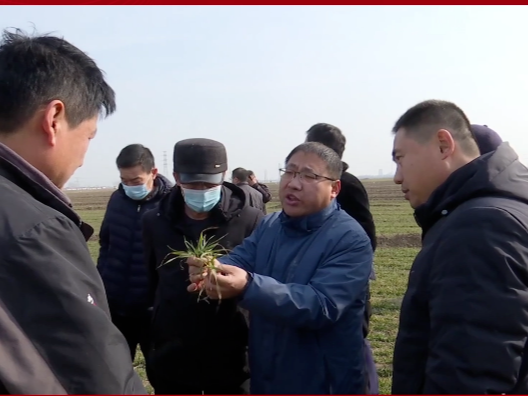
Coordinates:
227 281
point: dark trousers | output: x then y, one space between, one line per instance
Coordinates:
182 389
136 330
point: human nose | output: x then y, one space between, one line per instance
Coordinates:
397 178
295 182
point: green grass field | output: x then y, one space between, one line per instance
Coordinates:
399 242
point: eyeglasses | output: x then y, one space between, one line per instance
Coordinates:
304 177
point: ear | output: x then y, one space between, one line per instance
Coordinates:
53 121
446 143
154 172
176 178
336 188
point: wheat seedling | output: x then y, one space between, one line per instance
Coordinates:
206 250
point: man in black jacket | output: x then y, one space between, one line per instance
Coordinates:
121 262
56 335
239 177
262 188
199 346
463 322
354 201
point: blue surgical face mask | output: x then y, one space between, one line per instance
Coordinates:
202 200
136 193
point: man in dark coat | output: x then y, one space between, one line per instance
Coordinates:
56 334
239 177
463 322
354 201
121 262
199 346
262 188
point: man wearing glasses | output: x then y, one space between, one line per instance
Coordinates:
302 275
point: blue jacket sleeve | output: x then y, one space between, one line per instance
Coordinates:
337 285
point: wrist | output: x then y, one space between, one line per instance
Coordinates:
249 279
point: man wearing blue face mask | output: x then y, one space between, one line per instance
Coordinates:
182 326
121 263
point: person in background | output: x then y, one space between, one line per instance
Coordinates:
199 346
240 177
262 188
354 200
121 263
487 139
463 321
56 334
302 275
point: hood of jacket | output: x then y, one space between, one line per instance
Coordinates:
495 174
345 166
231 203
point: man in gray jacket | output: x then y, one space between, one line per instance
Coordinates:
239 177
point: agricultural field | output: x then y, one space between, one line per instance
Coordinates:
398 243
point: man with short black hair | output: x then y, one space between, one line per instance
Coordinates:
56 333
121 262
302 275
239 177
354 200
463 322
262 188
199 346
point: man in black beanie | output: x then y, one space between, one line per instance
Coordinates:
199 347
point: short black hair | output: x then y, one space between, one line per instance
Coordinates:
328 155
250 173
426 118
240 173
329 135
36 70
134 155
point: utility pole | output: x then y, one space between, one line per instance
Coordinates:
265 175
165 170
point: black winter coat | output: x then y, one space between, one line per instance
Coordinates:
196 344
354 201
121 262
463 322
56 334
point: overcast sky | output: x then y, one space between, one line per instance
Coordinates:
256 78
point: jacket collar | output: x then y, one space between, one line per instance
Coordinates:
35 183
310 222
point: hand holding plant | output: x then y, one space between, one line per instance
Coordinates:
202 262
228 281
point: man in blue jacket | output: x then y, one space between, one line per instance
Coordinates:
121 263
302 275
